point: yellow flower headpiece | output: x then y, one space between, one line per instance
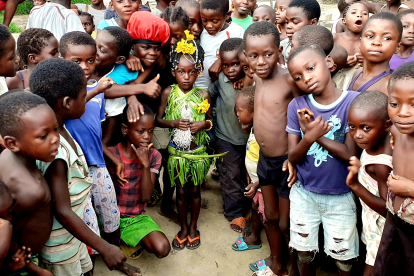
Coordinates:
184 46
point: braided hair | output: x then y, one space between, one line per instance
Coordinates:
32 41
195 58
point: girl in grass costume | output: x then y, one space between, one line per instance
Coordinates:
184 109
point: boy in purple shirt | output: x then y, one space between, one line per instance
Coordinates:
320 147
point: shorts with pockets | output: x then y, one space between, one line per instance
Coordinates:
269 171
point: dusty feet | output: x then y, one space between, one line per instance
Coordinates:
130 270
193 241
239 224
250 239
276 266
171 214
179 241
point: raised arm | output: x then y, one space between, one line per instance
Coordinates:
341 151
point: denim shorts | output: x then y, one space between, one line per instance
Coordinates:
337 213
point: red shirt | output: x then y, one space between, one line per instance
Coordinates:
129 195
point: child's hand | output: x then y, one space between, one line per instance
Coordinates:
134 64
352 61
292 172
113 257
360 59
238 85
392 141
305 116
19 259
143 155
135 109
400 186
317 129
152 88
182 124
104 84
197 126
215 70
352 178
251 190
119 172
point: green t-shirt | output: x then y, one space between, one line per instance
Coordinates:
244 23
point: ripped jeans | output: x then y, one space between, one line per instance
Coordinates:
337 213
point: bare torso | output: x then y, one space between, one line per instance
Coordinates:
350 43
32 214
270 113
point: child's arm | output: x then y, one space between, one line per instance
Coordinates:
400 186
19 259
134 64
56 176
182 124
136 87
298 147
6 231
148 178
374 202
119 165
102 86
215 70
38 271
206 124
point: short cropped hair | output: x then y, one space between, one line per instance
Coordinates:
75 38
372 101
404 72
339 56
242 47
4 36
231 44
32 41
53 79
86 14
387 16
221 6
147 111
312 47
249 92
269 9
315 34
310 8
188 3
400 15
263 28
12 108
122 40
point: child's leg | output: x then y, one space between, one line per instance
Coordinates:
157 243
166 208
368 270
233 181
273 232
181 198
195 212
253 238
340 233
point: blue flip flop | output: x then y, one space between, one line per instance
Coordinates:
260 265
240 245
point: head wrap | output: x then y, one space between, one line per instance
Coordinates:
146 28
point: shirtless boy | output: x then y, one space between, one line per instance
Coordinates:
29 129
262 53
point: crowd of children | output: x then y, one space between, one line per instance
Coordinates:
298 121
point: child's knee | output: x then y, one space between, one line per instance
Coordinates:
345 266
162 248
272 215
306 257
284 227
181 193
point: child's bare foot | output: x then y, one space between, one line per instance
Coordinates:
276 266
193 240
238 224
171 214
180 240
130 270
261 264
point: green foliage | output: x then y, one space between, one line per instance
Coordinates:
13 27
25 7
81 2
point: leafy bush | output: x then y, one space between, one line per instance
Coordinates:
13 28
25 7
81 2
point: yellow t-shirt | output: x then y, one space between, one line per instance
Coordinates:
252 148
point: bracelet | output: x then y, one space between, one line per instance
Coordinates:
211 125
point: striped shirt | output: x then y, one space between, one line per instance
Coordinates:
62 247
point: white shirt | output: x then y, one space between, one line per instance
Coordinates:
98 15
211 44
3 86
55 18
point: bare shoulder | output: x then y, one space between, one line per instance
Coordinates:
357 72
14 82
167 91
204 93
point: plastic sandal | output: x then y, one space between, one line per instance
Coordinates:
265 272
180 242
192 240
241 222
240 245
260 265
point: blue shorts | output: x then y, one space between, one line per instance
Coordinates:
337 213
